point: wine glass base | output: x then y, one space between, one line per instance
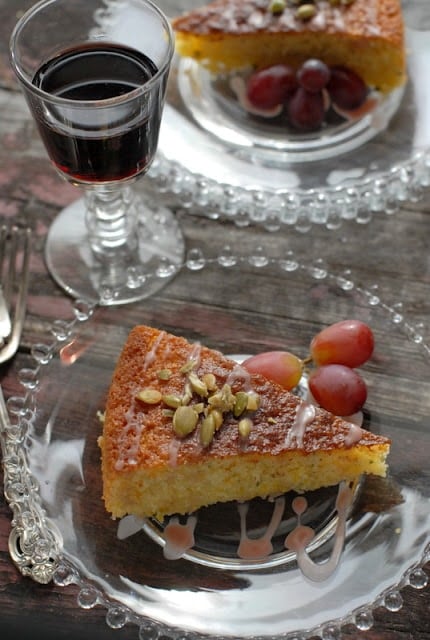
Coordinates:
137 275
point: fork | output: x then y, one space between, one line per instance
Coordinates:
15 246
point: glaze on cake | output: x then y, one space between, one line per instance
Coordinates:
366 36
272 443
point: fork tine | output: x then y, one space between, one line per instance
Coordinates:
5 324
3 236
18 276
3 240
10 255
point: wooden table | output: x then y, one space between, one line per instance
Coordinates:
390 250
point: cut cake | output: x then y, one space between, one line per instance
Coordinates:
266 442
366 36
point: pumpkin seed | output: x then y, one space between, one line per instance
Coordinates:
188 366
184 421
244 426
253 401
210 381
217 417
199 407
164 374
207 430
149 396
277 6
188 394
197 385
172 401
306 11
223 399
241 403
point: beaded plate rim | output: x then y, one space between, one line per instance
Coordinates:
34 542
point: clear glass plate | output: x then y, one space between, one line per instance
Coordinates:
216 162
61 530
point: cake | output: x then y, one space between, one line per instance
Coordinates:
185 427
365 36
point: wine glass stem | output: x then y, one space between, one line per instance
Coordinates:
111 221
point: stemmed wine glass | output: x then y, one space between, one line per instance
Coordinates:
94 73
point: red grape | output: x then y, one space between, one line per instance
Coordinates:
348 342
338 389
270 87
282 367
313 75
306 110
346 89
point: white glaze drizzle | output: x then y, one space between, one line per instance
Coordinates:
354 435
179 538
373 28
152 353
174 446
240 374
338 20
195 355
305 415
128 526
129 438
253 548
301 536
319 20
355 432
287 19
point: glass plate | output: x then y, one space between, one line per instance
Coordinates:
52 468
212 161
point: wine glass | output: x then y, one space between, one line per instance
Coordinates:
94 73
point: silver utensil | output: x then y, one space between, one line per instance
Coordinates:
15 247
5 323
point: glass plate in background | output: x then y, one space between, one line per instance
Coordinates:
215 164
53 480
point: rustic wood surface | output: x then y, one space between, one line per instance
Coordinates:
393 251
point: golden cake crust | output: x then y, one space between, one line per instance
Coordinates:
148 470
367 36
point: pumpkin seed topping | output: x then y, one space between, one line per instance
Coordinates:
306 11
253 401
164 374
277 6
223 399
188 366
210 381
197 385
207 430
217 418
188 394
184 421
172 400
244 427
241 403
149 396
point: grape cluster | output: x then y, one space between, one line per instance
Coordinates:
307 93
335 352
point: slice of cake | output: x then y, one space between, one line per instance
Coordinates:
364 36
186 427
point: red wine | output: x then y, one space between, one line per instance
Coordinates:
99 142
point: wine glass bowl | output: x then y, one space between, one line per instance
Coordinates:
94 74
